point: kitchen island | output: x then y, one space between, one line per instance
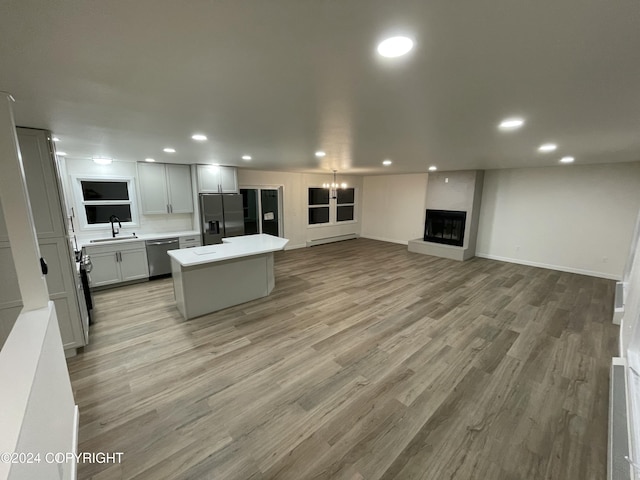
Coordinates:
213 277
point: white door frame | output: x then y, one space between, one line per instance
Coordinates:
280 189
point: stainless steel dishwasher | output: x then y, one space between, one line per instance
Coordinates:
159 261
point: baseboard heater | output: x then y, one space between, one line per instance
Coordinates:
618 466
339 238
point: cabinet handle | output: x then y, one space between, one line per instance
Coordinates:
170 208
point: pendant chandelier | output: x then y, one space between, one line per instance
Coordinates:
333 186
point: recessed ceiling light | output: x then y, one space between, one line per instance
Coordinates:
395 47
433 168
55 139
149 159
386 163
199 137
246 157
567 160
511 124
61 154
102 160
169 150
547 147
320 153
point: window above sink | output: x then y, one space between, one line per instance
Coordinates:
102 197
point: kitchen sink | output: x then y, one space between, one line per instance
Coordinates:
112 239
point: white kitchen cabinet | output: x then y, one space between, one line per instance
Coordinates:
165 188
190 241
217 179
228 180
60 281
104 268
49 216
116 263
45 196
179 188
133 264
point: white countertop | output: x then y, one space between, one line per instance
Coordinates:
233 247
84 242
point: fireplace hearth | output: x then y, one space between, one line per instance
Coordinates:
445 226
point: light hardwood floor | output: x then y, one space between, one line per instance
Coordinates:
366 362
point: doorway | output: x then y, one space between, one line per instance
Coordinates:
262 207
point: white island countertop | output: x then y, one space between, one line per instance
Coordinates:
232 247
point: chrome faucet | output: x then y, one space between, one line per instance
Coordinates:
115 230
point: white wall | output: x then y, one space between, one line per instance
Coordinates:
393 207
71 167
572 218
37 412
630 343
295 200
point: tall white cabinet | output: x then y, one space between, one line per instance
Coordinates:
165 188
49 216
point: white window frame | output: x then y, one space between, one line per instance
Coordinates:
333 209
81 202
354 220
322 205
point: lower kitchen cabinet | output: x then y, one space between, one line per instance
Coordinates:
190 241
117 263
134 264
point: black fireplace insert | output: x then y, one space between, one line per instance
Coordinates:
445 226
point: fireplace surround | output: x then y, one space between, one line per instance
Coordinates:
453 215
445 226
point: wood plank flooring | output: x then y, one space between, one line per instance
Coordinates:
366 362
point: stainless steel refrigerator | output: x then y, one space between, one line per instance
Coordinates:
221 215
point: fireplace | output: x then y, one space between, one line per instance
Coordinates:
445 226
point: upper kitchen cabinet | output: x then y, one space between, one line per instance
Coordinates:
165 188
40 172
217 179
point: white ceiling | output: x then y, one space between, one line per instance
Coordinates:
280 79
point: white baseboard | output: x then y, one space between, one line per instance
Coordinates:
293 247
390 240
560 268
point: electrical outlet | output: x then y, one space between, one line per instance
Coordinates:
605 259
446 180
